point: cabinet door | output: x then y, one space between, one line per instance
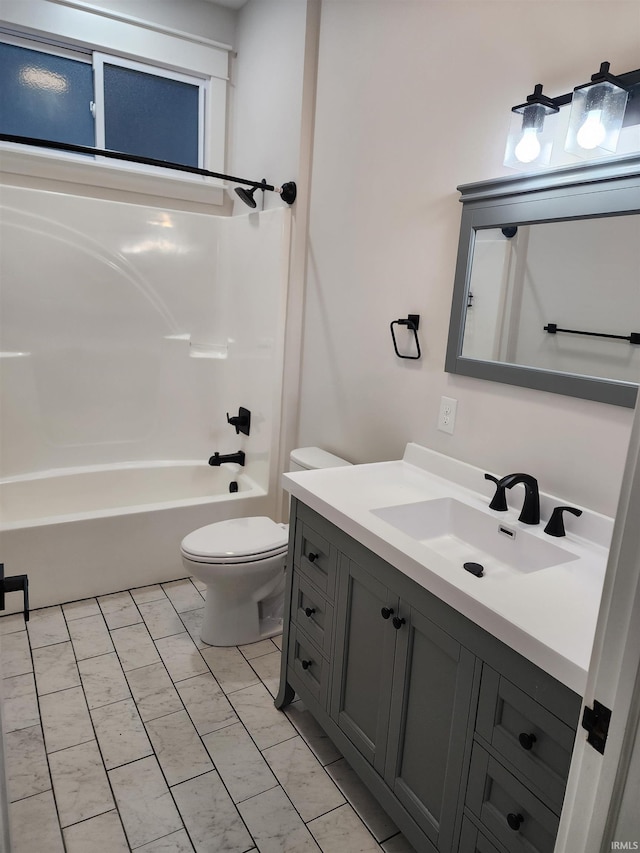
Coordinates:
430 706
363 664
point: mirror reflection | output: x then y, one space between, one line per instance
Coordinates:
557 296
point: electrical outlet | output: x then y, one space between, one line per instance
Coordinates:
447 414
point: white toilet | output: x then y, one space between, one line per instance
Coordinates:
242 562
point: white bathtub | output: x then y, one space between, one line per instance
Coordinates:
90 531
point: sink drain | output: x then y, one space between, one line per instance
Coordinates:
475 569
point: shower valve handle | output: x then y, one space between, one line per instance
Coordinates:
241 421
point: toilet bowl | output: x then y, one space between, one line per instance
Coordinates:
242 561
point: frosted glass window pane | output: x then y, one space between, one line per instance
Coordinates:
45 96
151 116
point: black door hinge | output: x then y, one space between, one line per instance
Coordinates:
596 722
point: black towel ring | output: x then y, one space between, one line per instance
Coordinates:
412 322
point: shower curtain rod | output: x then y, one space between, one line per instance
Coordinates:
287 191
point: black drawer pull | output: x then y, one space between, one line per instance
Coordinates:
313 557
309 611
386 612
398 623
526 740
514 820
306 664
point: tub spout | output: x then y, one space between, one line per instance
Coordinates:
220 458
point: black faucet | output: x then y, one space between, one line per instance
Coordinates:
530 513
555 525
220 458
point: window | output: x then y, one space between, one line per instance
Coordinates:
103 101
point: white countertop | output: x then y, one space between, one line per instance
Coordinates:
548 616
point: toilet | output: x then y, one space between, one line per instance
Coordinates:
242 562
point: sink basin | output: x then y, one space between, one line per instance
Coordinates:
461 533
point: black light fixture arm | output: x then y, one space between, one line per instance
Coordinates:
287 190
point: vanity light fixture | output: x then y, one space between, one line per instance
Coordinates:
530 137
599 110
597 113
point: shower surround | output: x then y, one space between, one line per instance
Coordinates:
127 333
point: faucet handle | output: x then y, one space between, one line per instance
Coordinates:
555 525
499 500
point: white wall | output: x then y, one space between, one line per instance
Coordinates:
195 16
413 99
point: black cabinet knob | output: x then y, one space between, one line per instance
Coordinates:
313 557
398 623
514 820
309 611
306 664
526 740
386 612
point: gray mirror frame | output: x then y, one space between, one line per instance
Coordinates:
609 188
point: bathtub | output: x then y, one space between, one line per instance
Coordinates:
82 532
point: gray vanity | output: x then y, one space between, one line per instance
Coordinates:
464 740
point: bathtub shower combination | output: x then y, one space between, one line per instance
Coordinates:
127 334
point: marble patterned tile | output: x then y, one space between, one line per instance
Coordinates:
268 669
80 783
239 762
178 748
177 842
199 585
80 609
11 624
153 691
20 705
147 593
398 844
277 641
55 668
256 650
34 823
26 763
192 621
363 802
206 704
121 734
161 618
312 733
103 680
210 817
90 637
275 824
266 725
303 778
134 646
183 594
65 719
119 610
342 829
146 807
16 655
181 656
46 627
100 834
228 665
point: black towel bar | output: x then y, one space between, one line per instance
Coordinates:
633 338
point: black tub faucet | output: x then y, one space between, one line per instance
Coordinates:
530 513
220 458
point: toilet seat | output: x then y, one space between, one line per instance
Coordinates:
238 540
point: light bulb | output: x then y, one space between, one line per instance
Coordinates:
528 148
593 132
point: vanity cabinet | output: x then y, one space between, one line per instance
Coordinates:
465 743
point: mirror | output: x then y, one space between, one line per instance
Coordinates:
547 286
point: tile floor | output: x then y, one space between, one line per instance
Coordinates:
124 732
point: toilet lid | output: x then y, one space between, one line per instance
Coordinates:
236 540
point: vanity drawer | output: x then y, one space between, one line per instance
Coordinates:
528 736
315 557
312 613
473 841
509 811
308 664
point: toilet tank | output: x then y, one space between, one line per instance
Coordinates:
311 458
